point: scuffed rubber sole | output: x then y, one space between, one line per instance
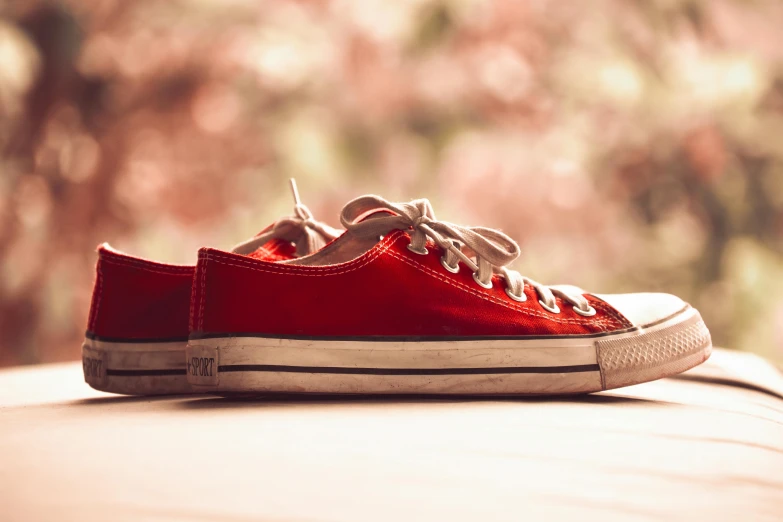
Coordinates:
502 366
135 368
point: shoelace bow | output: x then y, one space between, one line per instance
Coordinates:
485 251
307 234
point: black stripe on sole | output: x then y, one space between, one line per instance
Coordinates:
406 371
144 373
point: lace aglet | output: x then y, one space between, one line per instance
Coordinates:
295 191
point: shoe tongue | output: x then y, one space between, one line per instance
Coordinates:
305 236
287 240
345 247
275 249
373 214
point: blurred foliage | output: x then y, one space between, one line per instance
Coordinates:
628 145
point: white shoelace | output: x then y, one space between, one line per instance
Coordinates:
308 234
485 251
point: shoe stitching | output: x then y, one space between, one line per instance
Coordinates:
120 259
99 295
269 251
598 322
308 271
193 295
301 270
202 301
145 269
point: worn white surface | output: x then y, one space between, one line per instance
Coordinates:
685 449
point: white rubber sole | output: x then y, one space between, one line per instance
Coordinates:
536 366
135 368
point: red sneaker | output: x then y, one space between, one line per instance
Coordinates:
403 303
138 323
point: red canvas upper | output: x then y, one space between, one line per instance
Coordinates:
387 291
137 299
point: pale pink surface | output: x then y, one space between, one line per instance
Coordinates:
675 449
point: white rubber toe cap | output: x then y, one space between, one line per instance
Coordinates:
644 309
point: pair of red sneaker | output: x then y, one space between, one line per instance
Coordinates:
399 303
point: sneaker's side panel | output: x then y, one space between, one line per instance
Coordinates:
387 291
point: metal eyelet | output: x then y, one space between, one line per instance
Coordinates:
422 252
482 285
554 310
518 298
586 313
452 269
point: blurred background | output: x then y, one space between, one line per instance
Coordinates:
627 145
